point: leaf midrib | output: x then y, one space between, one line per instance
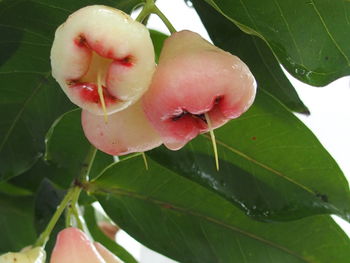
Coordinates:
265 166
183 210
258 34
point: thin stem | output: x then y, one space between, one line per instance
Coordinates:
212 136
146 11
145 160
86 167
68 222
165 20
44 237
75 209
151 8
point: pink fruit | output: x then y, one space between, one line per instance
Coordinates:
195 78
73 245
125 132
99 46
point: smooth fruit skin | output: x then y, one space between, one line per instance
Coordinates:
33 255
107 255
193 78
73 245
102 42
127 131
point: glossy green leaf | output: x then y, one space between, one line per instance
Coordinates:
254 52
13 190
32 179
30 100
271 165
17 223
185 221
68 149
157 40
99 236
308 37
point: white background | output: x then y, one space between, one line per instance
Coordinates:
329 119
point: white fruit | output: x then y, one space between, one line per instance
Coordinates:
102 46
34 255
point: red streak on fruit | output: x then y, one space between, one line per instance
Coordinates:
254 138
89 92
80 41
126 61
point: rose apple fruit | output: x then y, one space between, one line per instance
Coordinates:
73 245
125 132
195 79
102 59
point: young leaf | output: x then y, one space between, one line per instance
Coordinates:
185 221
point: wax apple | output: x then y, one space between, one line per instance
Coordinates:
102 49
73 245
194 81
125 132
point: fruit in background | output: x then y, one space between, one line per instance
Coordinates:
32 255
195 79
109 229
125 132
72 245
101 50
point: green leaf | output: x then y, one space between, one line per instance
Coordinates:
99 236
185 221
13 190
47 199
30 100
68 149
271 166
158 39
308 37
16 220
254 52
32 179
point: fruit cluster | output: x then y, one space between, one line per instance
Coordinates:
104 61
72 246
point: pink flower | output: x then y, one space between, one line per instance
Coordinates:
73 246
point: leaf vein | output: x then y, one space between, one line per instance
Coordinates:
245 156
19 114
184 210
329 33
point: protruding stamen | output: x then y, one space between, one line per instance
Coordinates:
145 160
212 136
100 94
